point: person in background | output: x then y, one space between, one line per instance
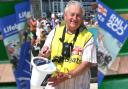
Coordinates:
71 47
94 19
53 19
32 22
40 27
48 28
39 43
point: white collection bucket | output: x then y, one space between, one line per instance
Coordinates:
41 71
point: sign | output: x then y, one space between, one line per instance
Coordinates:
113 30
23 73
8 26
112 23
10 35
22 15
22 11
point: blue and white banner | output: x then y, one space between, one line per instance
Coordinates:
8 25
112 22
22 14
113 30
13 28
22 11
10 35
23 73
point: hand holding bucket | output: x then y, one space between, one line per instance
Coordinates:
42 70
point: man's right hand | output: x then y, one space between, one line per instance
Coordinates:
45 52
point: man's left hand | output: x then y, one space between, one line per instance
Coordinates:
54 81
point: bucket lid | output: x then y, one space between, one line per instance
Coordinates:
43 64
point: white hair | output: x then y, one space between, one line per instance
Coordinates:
75 3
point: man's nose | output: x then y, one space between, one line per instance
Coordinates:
75 17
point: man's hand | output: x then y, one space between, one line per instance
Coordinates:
54 81
45 52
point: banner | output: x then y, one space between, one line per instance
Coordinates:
22 11
22 16
10 35
23 73
5 10
114 30
15 35
112 23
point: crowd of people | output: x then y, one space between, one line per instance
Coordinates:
69 45
39 29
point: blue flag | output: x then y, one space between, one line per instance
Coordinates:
113 23
113 30
8 26
23 73
22 11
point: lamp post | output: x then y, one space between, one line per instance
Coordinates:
62 5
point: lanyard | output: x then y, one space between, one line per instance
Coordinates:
71 44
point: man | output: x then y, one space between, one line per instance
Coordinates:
71 47
53 18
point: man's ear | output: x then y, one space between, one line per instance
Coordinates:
64 16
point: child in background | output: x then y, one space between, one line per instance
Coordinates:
39 43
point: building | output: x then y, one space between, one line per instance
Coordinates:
44 8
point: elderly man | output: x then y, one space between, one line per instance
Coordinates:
71 47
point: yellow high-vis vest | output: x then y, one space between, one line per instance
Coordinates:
76 54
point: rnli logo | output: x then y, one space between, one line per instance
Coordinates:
77 50
102 10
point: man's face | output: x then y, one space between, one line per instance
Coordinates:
73 17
